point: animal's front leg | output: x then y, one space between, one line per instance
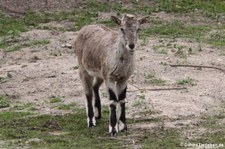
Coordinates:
121 90
113 115
113 129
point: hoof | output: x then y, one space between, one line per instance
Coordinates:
113 133
91 125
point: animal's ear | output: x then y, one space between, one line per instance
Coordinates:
143 20
116 20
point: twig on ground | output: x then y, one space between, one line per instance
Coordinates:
156 89
198 66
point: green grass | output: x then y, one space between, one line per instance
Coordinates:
8 47
67 106
175 29
70 131
27 106
54 99
217 38
180 52
33 43
139 101
4 102
185 6
215 129
6 78
188 81
10 25
88 13
153 80
25 129
169 139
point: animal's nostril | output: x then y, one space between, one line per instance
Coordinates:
131 46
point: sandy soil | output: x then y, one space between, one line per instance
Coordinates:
41 72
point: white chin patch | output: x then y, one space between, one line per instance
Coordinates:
96 112
121 125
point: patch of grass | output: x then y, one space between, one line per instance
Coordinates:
10 25
19 126
160 49
144 41
163 63
67 106
175 29
217 38
153 80
215 127
23 129
32 43
18 46
139 101
54 99
178 6
181 53
4 102
27 106
14 47
163 138
188 81
6 78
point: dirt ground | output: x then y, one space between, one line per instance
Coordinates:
40 72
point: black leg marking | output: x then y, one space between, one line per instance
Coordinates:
113 119
123 94
123 115
90 110
97 102
112 95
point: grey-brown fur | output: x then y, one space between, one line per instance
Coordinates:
105 54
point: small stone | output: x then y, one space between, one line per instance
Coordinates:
167 58
219 59
68 45
63 45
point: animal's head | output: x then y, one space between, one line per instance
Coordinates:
129 27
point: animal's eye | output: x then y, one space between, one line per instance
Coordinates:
122 29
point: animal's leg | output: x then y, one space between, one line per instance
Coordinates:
121 92
110 85
97 110
87 81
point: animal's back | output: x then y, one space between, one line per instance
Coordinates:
92 36
92 45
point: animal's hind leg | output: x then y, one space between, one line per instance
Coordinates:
97 110
87 81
